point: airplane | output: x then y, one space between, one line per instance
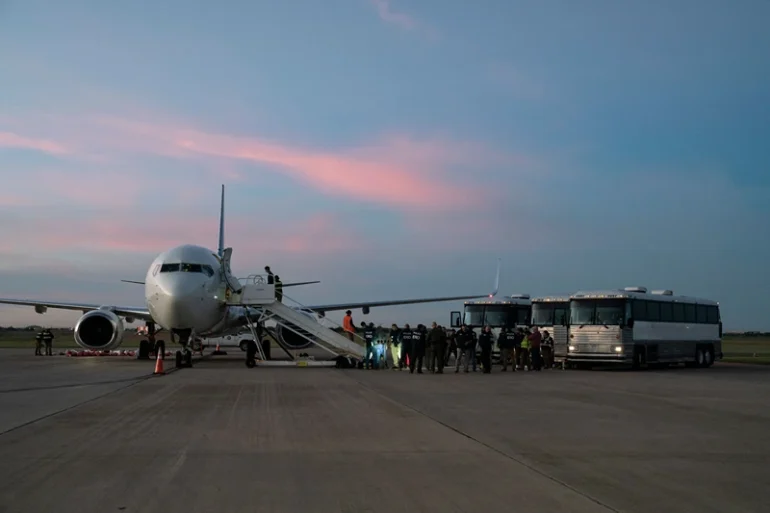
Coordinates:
186 293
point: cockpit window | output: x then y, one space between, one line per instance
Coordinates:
188 268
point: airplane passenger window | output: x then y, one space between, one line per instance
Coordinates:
169 268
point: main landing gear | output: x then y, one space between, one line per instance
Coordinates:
184 357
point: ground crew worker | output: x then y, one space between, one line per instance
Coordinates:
547 349
464 341
39 343
348 326
525 361
485 343
474 343
505 343
369 341
417 356
270 279
437 339
517 351
535 339
278 289
48 341
394 342
406 347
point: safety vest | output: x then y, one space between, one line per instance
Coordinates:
347 324
525 343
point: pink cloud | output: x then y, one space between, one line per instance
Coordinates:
12 140
389 15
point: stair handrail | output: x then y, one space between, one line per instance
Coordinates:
336 324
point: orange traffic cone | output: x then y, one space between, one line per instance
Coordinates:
159 364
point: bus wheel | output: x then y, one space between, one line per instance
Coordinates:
700 357
708 354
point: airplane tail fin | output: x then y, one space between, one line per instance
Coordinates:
221 249
497 280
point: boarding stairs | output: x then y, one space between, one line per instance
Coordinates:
260 296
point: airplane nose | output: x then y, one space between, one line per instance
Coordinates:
178 302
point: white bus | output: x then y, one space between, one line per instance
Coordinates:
511 312
551 314
632 326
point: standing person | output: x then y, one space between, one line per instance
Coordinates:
547 349
348 326
39 343
394 342
451 346
406 347
474 344
464 341
278 289
505 343
48 341
525 360
535 339
270 278
417 357
437 339
369 359
485 343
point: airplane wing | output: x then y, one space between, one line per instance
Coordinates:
291 284
126 311
321 309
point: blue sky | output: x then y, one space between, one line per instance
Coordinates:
390 148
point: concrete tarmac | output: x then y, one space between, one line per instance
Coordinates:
221 437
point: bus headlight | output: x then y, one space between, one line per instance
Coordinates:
571 348
618 349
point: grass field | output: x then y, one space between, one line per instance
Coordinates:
736 349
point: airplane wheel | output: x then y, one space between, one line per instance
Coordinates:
178 359
251 363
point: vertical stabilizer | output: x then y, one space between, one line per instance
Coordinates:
221 249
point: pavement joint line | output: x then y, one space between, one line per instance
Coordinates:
488 446
134 381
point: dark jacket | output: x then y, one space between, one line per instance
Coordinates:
436 336
485 340
369 336
502 340
395 338
418 342
406 338
463 338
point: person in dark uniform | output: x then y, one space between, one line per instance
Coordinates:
278 289
464 339
39 343
437 340
505 343
48 341
406 346
451 346
417 357
485 343
369 359
270 278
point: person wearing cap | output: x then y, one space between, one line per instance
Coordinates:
348 326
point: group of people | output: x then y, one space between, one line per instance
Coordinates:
44 339
420 348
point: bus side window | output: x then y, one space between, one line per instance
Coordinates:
666 312
712 315
640 310
653 311
679 312
689 313
701 314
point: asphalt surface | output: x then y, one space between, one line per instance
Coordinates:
102 434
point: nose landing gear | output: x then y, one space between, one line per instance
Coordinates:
184 357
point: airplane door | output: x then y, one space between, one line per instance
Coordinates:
232 282
456 319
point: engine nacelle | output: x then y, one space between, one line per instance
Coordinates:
291 339
99 330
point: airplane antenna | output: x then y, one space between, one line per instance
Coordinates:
221 250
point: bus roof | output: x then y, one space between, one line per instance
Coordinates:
551 299
641 293
516 299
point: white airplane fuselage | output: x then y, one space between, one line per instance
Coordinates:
185 290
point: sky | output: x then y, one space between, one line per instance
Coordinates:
389 148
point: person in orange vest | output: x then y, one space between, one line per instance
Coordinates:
348 326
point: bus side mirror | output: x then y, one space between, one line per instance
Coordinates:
455 319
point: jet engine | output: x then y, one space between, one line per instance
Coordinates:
99 330
291 339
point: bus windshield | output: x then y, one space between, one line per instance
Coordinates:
550 314
496 316
611 312
474 315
